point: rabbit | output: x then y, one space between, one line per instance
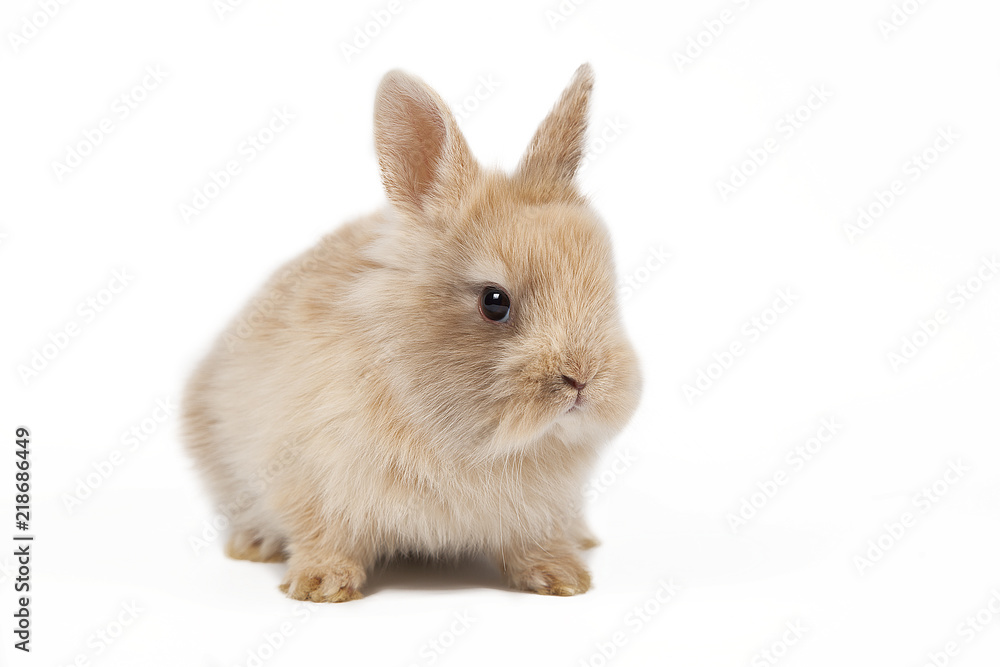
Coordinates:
435 379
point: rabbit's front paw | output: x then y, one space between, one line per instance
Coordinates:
336 582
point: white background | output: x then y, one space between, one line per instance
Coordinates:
678 129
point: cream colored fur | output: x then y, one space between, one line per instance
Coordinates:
361 406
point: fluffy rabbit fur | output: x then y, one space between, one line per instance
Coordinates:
363 406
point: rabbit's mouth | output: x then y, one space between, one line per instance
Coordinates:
576 389
578 402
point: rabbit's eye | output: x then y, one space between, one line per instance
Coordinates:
494 304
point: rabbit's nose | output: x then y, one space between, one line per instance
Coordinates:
573 382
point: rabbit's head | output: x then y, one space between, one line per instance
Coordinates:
493 297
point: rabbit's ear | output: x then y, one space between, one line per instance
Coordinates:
423 156
557 147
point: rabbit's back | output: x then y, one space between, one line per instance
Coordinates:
269 379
